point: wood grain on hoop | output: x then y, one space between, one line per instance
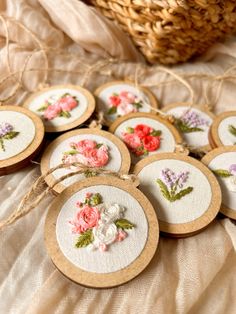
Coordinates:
130 116
153 101
185 229
214 135
67 126
199 107
98 280
45 162
23 158
229 212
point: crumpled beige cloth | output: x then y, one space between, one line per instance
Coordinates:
192 275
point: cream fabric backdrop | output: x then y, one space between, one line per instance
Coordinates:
193 275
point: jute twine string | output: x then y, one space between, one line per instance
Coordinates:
38 191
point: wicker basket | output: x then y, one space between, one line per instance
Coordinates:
172 31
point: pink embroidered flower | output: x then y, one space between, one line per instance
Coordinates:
87 152
59 108
125 109
121 236
127 97
52 111
86 218
84 145
102 247
67 103
151 143
114 100
142 130
132 140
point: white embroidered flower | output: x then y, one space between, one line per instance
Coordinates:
232 184
124 109
111 213
104 234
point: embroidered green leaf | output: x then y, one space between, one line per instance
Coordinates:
89 174
185 128
130 130
96 199
71 152
112 110
232 129
164 190
124 224
85 239
138 105
42 108
156 133
65 114
182 193
2 144
10 135
222 173
99 145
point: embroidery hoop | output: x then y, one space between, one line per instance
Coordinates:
153 101
22 159
195 226
171 128
98 280
206 160
213 134
45 166
200 108
67 126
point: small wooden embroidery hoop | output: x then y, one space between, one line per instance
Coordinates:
206 160
130 116
126 160
213 134
22 159
199 107
68 126
96 280
195 226
146 91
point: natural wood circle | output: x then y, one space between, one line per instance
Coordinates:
67 126
214 135
171 128
45 161
153 101
189 228
22 159
101 280
200 108
229 212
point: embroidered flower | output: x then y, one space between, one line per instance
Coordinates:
171 184
112 213
123 103
60 107
191 121
87 152
85 219
142 139
232 130
6 133
230 175
99 224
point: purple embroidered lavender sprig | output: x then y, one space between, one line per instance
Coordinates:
190 122
171 184
6 133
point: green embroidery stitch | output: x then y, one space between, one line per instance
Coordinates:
85 239
124 224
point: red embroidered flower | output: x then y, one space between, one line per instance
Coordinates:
151 143
114 100
86 218
142 130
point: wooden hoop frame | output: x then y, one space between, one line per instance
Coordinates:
96 280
